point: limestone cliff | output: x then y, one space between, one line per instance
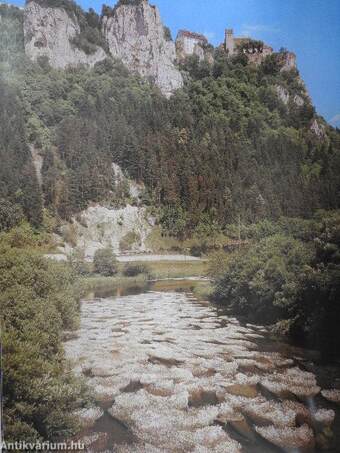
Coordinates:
49 33
135 34
125 230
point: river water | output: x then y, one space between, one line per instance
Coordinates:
171 374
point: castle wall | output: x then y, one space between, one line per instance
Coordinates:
188 43
229 42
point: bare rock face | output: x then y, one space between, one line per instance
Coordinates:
258 56
283 94
298 100
317 128
49 33
135 34
288 60
123 230
38 161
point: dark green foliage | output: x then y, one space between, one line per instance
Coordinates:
90 36
260 279
129 2
174 220
10 215
88 40
109 11
68 5
271 65
37 303
318 295
79 264
129 240
106 10
250 46
167 33
291 277
18 181
11 34
105 263
132 270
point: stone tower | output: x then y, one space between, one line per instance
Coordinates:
229 42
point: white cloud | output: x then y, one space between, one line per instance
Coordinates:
251 30
335 121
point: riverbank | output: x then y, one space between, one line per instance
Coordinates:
154 270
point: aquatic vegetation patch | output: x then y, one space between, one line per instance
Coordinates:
202 384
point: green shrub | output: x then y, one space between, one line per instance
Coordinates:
79 264
132 270
291 283
10 215
37 302
129 2
198 249
104 262
129 240
261 282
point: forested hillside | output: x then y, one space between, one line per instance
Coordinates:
222 149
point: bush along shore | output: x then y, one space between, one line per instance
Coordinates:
38 301
287 277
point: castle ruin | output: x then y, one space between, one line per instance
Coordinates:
231 44
190 43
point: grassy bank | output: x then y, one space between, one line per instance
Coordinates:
155 271
177 269
203 291
87 284
196 245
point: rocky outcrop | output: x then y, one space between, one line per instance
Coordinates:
318 129
135 34
257 56
285 96
49 33
123 230
38 161
298 100
134 189
287 60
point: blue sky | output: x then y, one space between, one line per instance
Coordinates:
310 28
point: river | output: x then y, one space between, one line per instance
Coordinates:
171 374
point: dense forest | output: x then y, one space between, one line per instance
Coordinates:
223 148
